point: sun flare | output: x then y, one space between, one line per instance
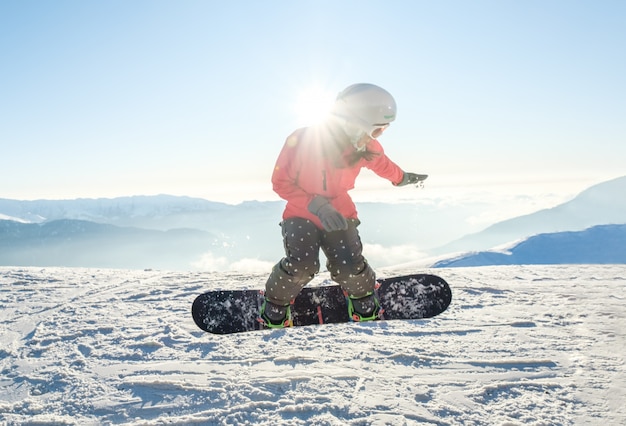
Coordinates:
312 105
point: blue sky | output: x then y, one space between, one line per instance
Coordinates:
114 98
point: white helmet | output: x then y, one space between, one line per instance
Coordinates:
365 106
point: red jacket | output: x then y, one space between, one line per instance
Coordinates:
311 163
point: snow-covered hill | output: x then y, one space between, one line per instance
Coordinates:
541 345
602 204
599 244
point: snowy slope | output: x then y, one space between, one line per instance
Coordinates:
541 345
4 217
601 204
598 244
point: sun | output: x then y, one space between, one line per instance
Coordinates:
312 105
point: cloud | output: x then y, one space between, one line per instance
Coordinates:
251 265
210 262
379 255
376 254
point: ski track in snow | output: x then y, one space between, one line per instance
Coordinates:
540 345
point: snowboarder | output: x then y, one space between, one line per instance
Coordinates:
314 171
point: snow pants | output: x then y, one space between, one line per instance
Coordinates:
302 240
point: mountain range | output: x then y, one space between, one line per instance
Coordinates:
242 234
77 243
601 204
170 232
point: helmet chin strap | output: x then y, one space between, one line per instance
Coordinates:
355 135
357 147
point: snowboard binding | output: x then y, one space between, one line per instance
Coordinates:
275 316
366 308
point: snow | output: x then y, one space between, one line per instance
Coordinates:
538 345
601 244
14 219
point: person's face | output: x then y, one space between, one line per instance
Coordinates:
375 132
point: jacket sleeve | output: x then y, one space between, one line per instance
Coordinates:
382 165
286 172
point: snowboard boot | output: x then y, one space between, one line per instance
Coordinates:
366 308
275 316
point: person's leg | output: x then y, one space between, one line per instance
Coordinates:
301 262
346 264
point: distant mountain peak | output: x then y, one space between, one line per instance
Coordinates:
600 204
602 244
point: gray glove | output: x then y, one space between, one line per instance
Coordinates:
411 179
331 219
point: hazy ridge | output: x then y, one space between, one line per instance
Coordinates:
182 233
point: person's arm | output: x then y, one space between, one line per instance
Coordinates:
285 175
382 165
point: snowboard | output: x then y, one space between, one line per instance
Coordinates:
401 298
